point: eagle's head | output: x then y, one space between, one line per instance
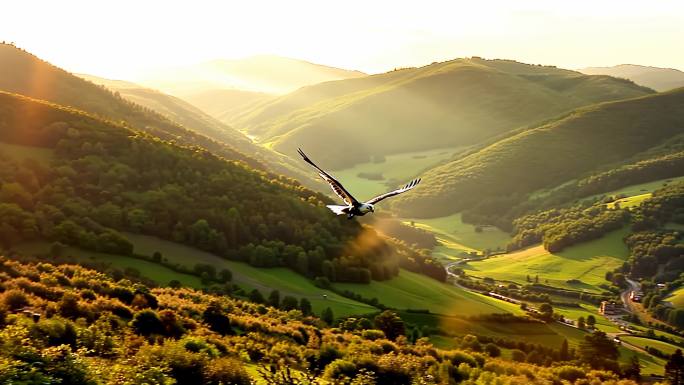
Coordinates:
367 208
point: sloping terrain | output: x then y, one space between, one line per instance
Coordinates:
660 79
549 155
449 104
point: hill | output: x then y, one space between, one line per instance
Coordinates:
548 155
450 104
189 116
71 325
223 104
660 79
263 73
105 179
26 74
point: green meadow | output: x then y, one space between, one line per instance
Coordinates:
414 291
395 171
644 342
642 188
676 298
246 276
157 273
551 334
456 237
649 364
587 263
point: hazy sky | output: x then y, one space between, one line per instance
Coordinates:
119 39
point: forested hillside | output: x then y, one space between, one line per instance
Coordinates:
191 117
157 114
455 103
104 178
549 155
70 325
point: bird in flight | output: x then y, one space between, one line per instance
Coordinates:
352 206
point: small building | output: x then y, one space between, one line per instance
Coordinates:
610 308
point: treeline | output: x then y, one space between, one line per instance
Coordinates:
417 237
105 179
502 211
67 324
418 261
559 228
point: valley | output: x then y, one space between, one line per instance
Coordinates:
162 230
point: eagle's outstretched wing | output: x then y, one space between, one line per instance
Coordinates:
404 189
334 184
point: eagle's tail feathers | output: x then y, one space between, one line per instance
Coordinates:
339 210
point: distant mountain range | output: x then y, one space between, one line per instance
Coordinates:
263 73
660 79
455 103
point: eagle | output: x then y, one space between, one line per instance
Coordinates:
352 206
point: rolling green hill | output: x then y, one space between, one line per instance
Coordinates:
191 117
579 267
414 291
548 155
449 104
26 74
660 79
105 178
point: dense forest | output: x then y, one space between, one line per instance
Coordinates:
67 324
104 178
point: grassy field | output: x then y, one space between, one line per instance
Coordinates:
21 153
642 188
396 170
586 310
159 274
246 276
649 364
643 342
551 335
587 262
630 201
414 291
676 298
456 237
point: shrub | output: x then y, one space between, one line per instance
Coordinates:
15 299
146 322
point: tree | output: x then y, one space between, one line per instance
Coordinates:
305 306
157 256
564 351
289 303
225 275
580 323
591 321
216 319
391 324
674 368
546 310
633 369
146 322
598 350
274 298
256 296
492 350
328 316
